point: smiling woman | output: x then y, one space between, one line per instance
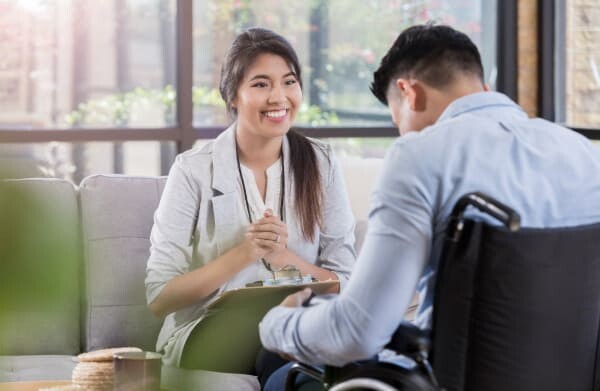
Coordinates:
258 198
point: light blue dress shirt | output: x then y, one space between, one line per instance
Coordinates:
481 142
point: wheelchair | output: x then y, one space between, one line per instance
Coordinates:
514 309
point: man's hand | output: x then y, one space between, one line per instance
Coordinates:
287 357
296 299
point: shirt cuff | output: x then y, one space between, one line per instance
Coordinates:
343 279
272 329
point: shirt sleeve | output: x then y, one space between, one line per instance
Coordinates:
336 242
171 237
360 321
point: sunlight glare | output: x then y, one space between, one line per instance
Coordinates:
34 6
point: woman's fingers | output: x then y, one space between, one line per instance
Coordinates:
268 240
268 218
269 232
268 227
267 244
268 236
269 223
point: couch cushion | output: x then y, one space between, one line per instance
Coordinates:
39 279
116 216
32 368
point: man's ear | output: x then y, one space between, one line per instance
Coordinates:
413 91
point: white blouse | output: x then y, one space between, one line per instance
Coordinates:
257 204
273 194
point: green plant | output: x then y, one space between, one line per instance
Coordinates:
39 259
204 96
313 115
116 109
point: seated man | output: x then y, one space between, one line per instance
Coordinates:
457 137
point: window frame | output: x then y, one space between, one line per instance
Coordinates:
185 134
551 65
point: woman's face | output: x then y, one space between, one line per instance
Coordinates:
268 97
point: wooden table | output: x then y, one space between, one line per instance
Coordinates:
31 385
35 385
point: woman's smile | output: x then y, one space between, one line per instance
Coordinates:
276 115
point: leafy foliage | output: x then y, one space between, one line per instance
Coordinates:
39 253
117 109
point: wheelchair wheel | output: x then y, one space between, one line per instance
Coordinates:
396 378
363 383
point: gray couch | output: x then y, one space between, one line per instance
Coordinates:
111 216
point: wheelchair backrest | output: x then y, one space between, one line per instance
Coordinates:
519 310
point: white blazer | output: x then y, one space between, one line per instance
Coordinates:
200 217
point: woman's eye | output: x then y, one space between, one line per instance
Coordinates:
260 84
290 82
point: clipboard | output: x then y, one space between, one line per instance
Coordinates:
227 339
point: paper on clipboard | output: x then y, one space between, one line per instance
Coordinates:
227 340
272 295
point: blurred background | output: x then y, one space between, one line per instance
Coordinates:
122 86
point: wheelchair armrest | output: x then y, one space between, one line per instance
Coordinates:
410 340
298 368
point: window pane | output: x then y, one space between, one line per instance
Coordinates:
75 161
582 69
338 58
80 63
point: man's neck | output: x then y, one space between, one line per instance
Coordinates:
462 87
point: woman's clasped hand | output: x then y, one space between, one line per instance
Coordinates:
270 235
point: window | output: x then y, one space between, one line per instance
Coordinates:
135 81
338 46
87 63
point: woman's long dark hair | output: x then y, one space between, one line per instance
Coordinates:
308 189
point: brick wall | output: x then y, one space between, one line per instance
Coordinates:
527 42
583 63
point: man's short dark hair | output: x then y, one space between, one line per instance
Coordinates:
434 54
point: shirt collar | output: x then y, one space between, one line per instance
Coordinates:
224 161
477 101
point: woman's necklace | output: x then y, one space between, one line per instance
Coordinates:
281 193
